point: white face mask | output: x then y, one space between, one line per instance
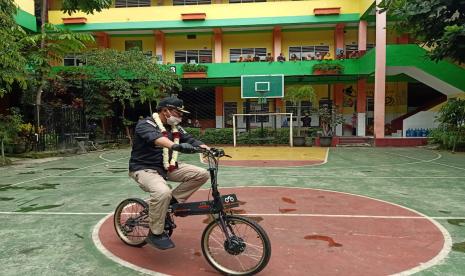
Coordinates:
172 120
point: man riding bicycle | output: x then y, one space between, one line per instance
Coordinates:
157 141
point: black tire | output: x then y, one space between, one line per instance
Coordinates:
233 221
132 227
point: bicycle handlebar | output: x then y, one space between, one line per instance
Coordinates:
213 151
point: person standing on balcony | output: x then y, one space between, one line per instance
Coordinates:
269 58
281 58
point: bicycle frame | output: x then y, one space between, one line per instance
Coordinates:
215 206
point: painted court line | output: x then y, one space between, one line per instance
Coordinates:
282 175
246 215
59 174
450 166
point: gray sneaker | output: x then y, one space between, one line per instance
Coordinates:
161 241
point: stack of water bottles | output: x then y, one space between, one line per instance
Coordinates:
417 132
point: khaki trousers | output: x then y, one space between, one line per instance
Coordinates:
191 178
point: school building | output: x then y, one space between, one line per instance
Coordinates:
386 83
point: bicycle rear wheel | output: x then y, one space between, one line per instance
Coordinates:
246 252
131 221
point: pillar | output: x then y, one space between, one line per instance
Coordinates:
339 102
102 39
380 73
361 106
160 46
362 37
219 109
277 41
218 38
338 39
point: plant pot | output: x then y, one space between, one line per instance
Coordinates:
325 141
326 72
194 75
309 141
298 141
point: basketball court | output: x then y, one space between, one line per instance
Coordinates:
365 211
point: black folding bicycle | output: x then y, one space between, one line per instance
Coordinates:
232 244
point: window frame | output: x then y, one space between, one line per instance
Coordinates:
199 55
248 51
301 55
132 3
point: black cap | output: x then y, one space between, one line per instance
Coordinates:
172 102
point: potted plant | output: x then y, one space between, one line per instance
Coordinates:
193 70
329 118
328 68
297 94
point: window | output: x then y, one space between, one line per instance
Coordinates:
245 1
246 53
73 60
256 108
352 49
132 3
307 52
306 108
193 56
190 2
133 44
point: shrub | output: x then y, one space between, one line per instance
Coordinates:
188 67
328 66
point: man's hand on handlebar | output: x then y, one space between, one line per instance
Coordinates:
184 148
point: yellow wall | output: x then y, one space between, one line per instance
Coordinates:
365 5
246 40
304 38
351 37
180 42
371 36
148 43
215 11
26 5
396 96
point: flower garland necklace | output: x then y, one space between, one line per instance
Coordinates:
169 165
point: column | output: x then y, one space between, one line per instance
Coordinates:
218 38
362 37
277 40
160 46
380 73
361 106
339 102
338 39
102 39
219 109
279 107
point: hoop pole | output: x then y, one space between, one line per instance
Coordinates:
291 142
234 130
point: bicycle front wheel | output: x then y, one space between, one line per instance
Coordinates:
131 221
246 251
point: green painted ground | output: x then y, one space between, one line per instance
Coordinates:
91 185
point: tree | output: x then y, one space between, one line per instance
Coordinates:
9 127
12 41
451 129
297 94
329 117
128 75
439 24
